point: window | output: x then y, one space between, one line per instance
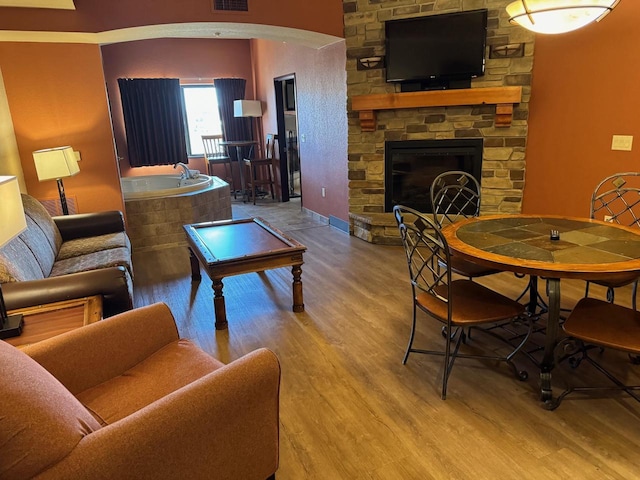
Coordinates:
201 115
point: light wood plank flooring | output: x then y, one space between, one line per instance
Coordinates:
351 410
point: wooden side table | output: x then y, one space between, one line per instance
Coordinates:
46 321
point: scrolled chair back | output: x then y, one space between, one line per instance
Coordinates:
427 253
617 199
454 195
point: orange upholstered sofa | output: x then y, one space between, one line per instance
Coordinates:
126 398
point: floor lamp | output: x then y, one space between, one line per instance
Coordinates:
249 108
13 223
56 163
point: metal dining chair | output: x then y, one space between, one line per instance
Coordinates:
596 323
617 199
457 305
456 195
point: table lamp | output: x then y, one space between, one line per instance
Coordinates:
56 163
13 223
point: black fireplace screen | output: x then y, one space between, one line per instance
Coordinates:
412 165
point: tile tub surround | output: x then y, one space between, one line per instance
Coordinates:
157 222
503 167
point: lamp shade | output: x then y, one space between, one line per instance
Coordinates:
558 16
247 108
11 211
55 163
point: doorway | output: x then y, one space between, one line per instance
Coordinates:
288 147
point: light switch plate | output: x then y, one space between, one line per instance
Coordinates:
622 142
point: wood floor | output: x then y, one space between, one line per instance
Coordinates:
351 410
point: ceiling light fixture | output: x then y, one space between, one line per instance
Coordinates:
558 16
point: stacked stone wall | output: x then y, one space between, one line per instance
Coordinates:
503 168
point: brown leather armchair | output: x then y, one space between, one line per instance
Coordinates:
126 398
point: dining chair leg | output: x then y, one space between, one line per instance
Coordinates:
254 176
413 332
445 372
232 184
271 181
450 358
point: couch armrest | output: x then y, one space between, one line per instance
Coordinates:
224 425
89 224
105 349
112 283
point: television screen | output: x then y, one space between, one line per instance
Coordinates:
448 46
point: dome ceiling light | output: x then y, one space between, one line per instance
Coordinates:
558 16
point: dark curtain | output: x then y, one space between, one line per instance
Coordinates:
233 128
153 121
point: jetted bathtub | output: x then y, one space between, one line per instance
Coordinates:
154 186
157 207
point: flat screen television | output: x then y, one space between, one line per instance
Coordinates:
436 51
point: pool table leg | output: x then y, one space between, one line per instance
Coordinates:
195 267
298 303
219 309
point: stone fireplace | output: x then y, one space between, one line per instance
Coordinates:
411 166
379 114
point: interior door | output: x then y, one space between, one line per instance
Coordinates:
289 152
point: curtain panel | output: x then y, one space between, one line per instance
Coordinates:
153 121
233 128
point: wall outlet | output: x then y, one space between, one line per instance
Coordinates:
608 218
622 142
324 192
303 138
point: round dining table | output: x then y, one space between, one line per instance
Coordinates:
552 247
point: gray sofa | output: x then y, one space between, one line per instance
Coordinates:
67 257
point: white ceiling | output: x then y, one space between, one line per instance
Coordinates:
176 30
221 30
58 4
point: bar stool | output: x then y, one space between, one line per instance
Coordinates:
261 170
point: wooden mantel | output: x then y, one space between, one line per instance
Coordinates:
503 97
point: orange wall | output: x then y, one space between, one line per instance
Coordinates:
188 59
56 95
95 16
38 81
321 87
585 89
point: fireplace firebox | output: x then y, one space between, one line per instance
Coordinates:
410 166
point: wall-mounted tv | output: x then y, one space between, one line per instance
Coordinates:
436 51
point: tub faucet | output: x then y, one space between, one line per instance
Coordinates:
186 173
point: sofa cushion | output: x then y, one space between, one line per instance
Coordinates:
113 257
169 369
39 245
40 421
83 246
17 263
36 211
